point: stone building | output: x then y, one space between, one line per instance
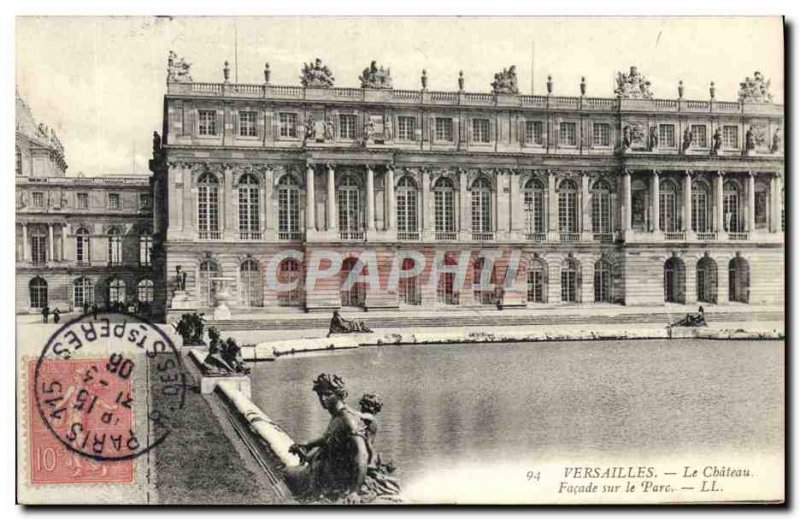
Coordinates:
550 199
78 239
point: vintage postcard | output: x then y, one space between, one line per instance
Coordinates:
400 260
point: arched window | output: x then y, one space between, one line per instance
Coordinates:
601 207
701 207
83 251
355 295
115 246
116 290
407 205
208 206
408 287
288 208
249 207
537 281
446 290
707 280
206 286
144 291
674 281
732 217
444 206
763 206
739 280
250 288
349 194
570 271
533 205
288 272
38 292
481 206
82 292
668 206
568 206
483 292
19 161
38 238
602 281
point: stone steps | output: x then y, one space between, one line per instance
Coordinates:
498 320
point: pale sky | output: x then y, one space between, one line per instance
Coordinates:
100 82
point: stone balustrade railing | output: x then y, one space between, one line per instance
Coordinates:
424 97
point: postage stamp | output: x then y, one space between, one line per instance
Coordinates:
83 418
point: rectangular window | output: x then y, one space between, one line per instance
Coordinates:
444 129
666 136
247 123
38 249
730 137
568 212
601 212
208 122
38 199
699 137
145 248
287 122
480 130
144 201
113 201
567 134
347 126
534 132
533 202
444 211
601 135
82 200
405 128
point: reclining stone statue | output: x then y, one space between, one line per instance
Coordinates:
342 466
692 319
224 357
340 325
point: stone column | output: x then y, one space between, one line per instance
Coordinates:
330 203
311 219
626 197
719 214
427 203
775 214
63 240
586 212
552 203
655 216
751 202
390 204
370 198
687 201
464 223
50 243
26 250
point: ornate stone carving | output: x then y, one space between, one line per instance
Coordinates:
178 69
505 82
376 77
634 135
776 141
633 85
316 75
755 89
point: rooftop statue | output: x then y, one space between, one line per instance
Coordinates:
374 77
342 465
633 85
316 75
505 82
755 89
178 69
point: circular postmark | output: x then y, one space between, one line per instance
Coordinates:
108 387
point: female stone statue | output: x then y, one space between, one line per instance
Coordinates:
337 466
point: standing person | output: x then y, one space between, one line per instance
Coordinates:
45 313
94 310
85 307
56 315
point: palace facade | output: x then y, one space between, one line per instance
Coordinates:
79 240
551 199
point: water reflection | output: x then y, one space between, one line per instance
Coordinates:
453 404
